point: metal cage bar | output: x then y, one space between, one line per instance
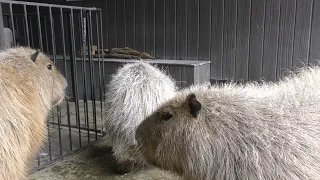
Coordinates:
66 74
74 74
39 29
50 5
26 24
91 72
100 65
103 62
84 70
12 25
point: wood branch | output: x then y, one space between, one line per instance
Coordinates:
120 56
125 50
145 55
125 53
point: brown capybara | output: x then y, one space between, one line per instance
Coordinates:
232 132
30 85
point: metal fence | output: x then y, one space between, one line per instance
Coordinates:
67 34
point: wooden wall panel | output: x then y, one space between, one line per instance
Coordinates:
271 39
242 40
286 33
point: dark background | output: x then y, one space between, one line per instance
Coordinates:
243 39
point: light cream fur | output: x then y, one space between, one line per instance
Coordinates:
28 91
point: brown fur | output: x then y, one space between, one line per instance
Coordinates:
28 91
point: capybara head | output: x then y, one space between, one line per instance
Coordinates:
51 77
165 136
41 71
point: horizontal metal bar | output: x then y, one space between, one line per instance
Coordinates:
77 127
48 5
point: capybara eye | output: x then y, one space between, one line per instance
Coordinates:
49 66
167 116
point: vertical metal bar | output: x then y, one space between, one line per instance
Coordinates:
93 93
49 136
2 38
17 29
54 61
102 58
26 24
12 25
74 73
99 64
46 34
66 74
41 47
83 36
59 128
31 31
52 35
39 29
24 32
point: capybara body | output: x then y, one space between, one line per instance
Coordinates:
232 132
30 86
134 92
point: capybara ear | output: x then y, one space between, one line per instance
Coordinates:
194 105
35 55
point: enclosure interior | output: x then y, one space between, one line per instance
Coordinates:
246 40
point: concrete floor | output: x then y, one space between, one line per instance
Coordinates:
63 139
94 163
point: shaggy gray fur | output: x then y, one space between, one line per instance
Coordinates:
134 92
247 132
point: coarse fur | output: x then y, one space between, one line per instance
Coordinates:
134 92
28 90
252 132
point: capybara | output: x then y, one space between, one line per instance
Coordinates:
30 85
134 92
233 132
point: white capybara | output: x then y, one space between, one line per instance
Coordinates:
30 86
134 92
232 132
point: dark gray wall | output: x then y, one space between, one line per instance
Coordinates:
243 39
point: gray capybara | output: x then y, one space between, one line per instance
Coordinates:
30 86
253 132
134 92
